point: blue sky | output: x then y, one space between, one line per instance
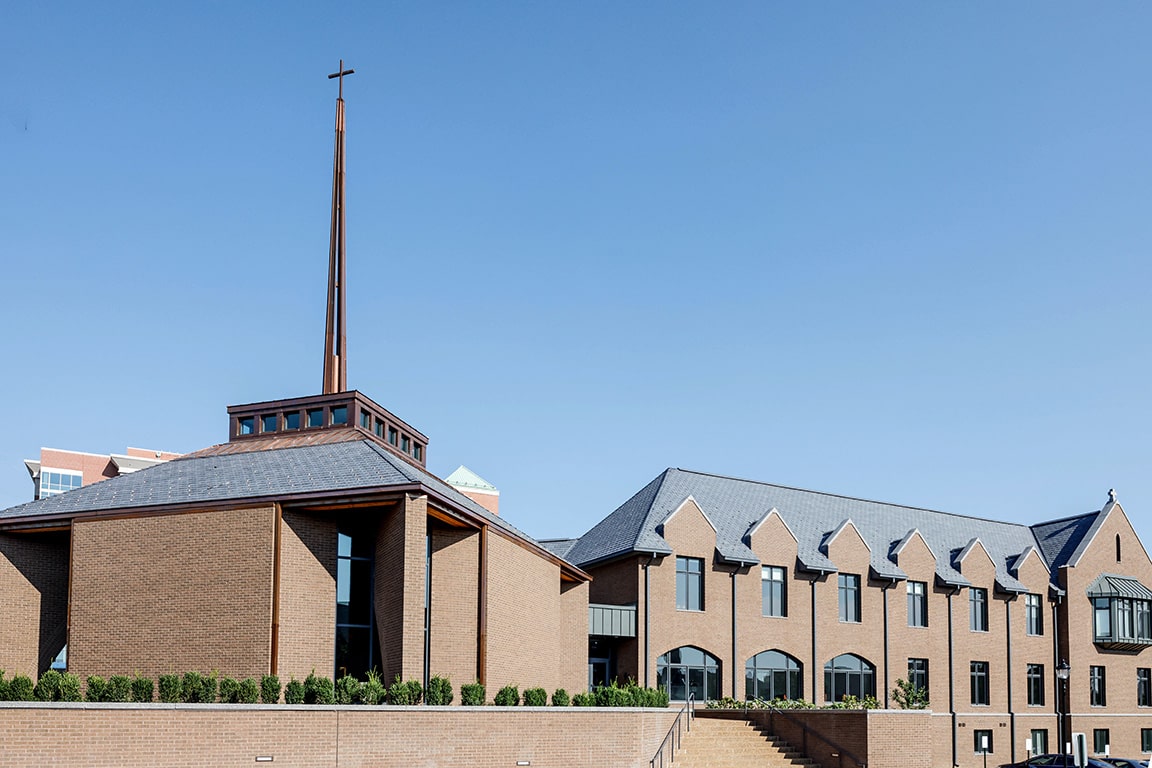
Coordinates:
897 251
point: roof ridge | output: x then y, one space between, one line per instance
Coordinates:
854 498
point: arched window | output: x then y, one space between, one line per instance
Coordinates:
772 675
1117 547
687 669
849 675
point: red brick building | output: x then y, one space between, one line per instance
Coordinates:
726 587
314 539
57 471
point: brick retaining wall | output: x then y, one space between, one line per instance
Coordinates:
194 735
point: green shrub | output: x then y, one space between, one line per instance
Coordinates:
347 690
405 694
198 688
3 687
97 689
294 692
20 688
171 689
612 696
909 695
249 691
48 686
318 689
535 697
439 693
372 691
472 695
229 691
508 696
583 700
69 687
560 698
142 688
119 688
270 689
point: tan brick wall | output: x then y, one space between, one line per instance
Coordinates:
835 637
307 637
400 572
173 593
572 638
622 583
455 605
34 586
190 736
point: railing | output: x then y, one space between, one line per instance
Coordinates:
674 737
837 751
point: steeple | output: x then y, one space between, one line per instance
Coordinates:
335 341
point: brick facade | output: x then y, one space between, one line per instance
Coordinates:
307 610
34 585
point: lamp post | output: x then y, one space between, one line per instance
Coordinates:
1062 673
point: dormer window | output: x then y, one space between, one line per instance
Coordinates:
316 417
1121 613
268 422
292 420
339 415
246 425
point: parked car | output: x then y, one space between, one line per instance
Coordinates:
1057 761
1126 762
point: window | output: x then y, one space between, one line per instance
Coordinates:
772 675
849 598
379 428
977 609
1035 685
393 436
1097 687
978 682
405 443
982 741
1099 740
917 604
269 422
1146 739
1122 622
316 417
356 647
918 673
689 584
292 420
365 419
1033 615
848 675
417 451
773 596
1144 687
689 670
1039 741
246 425
339 415
56 481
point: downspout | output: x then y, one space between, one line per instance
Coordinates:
1011 708
952 677
277 522
732 576
1056 663
482 611
813 622
887 680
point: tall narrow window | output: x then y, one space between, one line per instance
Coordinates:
356 652
1144 687
1035 685
1117 547
1146 739
689 584
1102 618
918 673
977 609
1100 740
1039 741
1033 615
978 682
917 604
1097 687
849 597
774 596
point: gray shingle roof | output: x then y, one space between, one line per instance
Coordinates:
735 506
251 476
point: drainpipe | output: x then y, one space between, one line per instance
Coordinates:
1060 730
814 688
887 681
952 677
647 614
1011 709
732 576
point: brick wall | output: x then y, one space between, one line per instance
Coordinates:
34 586
455 604
173 593
189 736
400 571
306 638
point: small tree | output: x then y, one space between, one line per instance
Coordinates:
294 692
508 696
473 694
119 688
318 689
560 698
535 697
142 688
372 690
347 690
910 696
439 693
249 691
48 686
97 689
171 689
270 689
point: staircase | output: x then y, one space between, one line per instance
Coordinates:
724 743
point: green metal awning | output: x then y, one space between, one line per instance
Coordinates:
1109 585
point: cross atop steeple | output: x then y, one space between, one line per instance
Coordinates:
335 341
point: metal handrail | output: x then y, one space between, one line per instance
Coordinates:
674 736
839 751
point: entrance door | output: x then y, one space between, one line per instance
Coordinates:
597 673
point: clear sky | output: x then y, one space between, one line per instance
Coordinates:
891 250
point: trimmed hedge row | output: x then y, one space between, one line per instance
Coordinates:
199 688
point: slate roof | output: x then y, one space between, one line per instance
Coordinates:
736 506
253 475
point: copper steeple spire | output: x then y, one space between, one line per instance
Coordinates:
335 342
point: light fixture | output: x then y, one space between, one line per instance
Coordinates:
1063 670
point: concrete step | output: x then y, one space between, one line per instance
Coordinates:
720 743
